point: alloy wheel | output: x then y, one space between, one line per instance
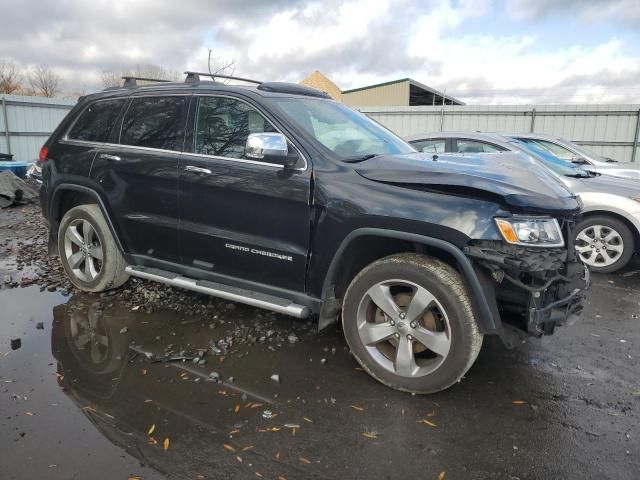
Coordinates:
404 328
83 250
599 245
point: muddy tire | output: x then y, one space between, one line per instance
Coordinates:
88 252
409 322
604 244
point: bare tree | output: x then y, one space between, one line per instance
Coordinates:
219 66
10 78
45 82
112 78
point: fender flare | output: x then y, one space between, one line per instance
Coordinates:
488 317
53 206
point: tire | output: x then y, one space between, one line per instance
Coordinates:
384 344
598 231
97 265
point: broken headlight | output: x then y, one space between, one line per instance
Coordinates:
531 231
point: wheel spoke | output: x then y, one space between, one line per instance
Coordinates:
584 237
584 248
93 273
381 296
87 232
405 363
437 342
76 259
102 340
421 300
615 248
372 333
96 252
611 236
87 268
73 235
597 231
82 340
95 352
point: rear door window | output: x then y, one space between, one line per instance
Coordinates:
155 122
96 121
430 146
475 146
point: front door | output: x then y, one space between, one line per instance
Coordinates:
139 176
239 217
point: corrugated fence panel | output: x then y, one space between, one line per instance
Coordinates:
609 130
30 121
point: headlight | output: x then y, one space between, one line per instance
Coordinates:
535 232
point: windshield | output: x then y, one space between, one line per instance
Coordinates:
345 132
556 164
585 152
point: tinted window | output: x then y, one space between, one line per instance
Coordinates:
473 146
155 122
430 146
96 121
223 125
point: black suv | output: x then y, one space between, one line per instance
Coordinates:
279 197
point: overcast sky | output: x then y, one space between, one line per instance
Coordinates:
482 51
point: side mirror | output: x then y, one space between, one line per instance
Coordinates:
270 148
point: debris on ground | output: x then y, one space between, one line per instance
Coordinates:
275 377
16 343
14 190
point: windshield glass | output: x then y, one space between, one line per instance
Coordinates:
558 165
585 152
345 132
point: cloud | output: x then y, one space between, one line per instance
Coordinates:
622 11
454 44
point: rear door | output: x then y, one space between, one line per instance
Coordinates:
467 145
139 176
240 217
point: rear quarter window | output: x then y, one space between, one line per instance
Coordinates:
96 121
155 122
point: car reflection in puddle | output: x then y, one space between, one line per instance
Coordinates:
171 414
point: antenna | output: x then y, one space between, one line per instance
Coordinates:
194 77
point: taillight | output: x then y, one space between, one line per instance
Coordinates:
44 151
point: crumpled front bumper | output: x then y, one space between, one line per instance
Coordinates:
535 289
543 319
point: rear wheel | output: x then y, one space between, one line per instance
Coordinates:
409 322
88 252
604 244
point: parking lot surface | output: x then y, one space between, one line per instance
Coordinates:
127 386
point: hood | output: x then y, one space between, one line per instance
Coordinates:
518 181
624 187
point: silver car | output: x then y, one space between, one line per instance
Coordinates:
610 229
580 155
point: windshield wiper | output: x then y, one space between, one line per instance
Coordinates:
360 158
583 174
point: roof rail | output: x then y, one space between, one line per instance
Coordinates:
130 81
194 77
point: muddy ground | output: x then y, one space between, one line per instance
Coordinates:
151 382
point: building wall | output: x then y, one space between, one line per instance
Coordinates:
319 81
386 95
609 130
30 121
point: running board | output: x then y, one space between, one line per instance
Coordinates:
227 292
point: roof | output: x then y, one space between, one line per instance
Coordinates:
412 82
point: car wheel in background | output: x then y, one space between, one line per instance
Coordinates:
604 244
409 322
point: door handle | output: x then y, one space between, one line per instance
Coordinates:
194 169
111 158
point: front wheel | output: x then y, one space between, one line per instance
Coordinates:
604 244
409 322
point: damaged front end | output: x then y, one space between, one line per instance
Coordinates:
535 288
